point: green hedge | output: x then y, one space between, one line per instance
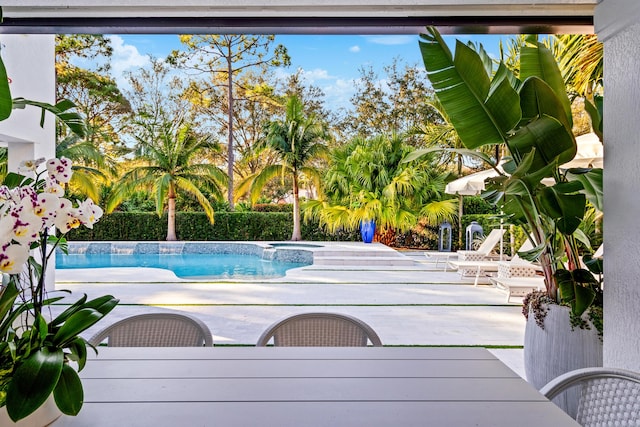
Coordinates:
195 226
235 226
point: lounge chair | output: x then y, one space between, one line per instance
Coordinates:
518 286
607 397
483 252
504 269
155 330
319 330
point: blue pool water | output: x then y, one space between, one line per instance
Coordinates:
214 266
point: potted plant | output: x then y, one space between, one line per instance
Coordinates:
529 112
40 352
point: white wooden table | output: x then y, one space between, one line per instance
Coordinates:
307 387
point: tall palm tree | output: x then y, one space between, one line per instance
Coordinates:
297 140
167 151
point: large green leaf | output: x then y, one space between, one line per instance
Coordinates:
553 143
6 103
68 393
7 298
576 289
537 60
76 323
564 205
73 120
462 87
33 382
538 99
591 180
595 111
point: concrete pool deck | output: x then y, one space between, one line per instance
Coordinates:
413 303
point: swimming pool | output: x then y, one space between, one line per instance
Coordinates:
187 260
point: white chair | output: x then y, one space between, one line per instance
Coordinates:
319 330
155 330
483 251
607 397
504 269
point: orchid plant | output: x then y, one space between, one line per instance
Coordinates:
35 353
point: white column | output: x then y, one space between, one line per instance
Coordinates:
30 64
616 26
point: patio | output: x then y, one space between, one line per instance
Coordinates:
407 305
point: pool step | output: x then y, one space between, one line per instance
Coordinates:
377 260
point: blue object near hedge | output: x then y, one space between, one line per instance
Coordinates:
367 230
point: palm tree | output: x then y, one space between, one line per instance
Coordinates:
298 141
166 151
369 179
89 164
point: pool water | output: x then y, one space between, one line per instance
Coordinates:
214 266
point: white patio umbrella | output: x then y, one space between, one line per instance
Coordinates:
589 154
470 185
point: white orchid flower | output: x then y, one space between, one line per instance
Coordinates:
26 225
52 187
45 207
13 257
28 166
89 212
60 169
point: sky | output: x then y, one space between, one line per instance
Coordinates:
331 62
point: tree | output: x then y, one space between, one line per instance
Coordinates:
396 103
167 152
89 165
223 58
93 91
368 179
298 140
582 65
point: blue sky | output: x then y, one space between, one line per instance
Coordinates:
330 62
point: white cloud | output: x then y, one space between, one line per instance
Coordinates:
354 49
391 39
316 75
337 90
125 58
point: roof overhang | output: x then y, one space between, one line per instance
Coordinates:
297 16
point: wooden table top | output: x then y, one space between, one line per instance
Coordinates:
312 386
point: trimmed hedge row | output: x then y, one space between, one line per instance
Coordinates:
141 226
258 226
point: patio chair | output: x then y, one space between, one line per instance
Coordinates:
155 330
516 267
320 330
485 248
607 397
482 253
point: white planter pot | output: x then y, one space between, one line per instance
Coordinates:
42 417
558 349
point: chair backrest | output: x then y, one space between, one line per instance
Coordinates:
490 242
320 330
155 330
608 396
526 246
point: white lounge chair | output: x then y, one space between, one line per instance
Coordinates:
483 252
517 267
